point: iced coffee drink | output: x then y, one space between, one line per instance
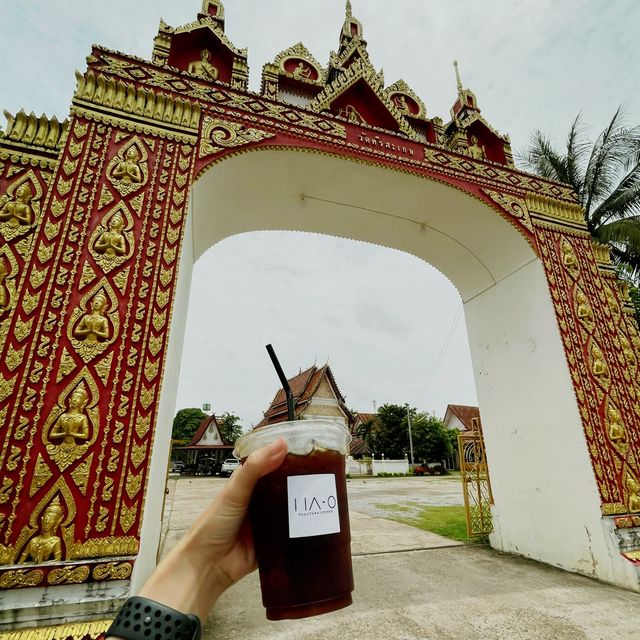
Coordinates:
300 520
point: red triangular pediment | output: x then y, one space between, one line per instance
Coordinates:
186 47
367 104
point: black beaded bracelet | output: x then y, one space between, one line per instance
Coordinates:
142 619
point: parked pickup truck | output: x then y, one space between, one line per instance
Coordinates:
229 466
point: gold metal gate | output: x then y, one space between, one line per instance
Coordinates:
475 480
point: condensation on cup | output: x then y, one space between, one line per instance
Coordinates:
300 520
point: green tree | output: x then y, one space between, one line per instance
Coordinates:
186 423
230 430
431 440
606 178
368 431
392 436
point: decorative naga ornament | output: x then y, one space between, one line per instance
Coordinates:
94 213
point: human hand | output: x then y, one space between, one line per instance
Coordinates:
218 549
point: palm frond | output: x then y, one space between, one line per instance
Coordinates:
610 154
541 158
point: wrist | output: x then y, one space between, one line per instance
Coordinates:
186 582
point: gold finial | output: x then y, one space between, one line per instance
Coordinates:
455 64
349 11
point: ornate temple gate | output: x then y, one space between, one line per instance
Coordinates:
476 485
94 266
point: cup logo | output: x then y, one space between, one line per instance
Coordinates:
313 505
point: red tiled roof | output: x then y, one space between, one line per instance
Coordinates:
359 447
204 425
303 387
464 413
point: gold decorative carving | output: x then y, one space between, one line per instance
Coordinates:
106 197
67 365
103 368
616 428
35 131
112 243
91 333
143 424
138 454
203 67
516 207
128 171
599 366
133 485
160 107
121 280
41 475
602 253
18 578
112 571
68 575
22 329
633 494
69 432
105 548
9 271
128 516
583 309
218 135
81 475
46 545
88 275
147 396
569 259
19 207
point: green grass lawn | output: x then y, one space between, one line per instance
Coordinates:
450 522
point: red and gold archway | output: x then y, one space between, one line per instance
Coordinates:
92 218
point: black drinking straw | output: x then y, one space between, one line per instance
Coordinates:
285 382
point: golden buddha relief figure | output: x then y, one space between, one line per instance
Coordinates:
352 115
203 67
95 322
612 303
616 429
46 545
400 102
112 243
19 207
128 170
569 259
69 433
627 351
72 426
599 366
94 327
475 150
633 494
583 308
302 71
5 296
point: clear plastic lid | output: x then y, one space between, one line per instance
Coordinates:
302 436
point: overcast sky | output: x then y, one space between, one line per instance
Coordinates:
381 318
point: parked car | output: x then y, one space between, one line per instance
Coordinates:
177 466
229 466
206 467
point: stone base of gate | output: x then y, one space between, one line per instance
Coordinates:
60 605
612 557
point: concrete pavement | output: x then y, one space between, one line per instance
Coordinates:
410 584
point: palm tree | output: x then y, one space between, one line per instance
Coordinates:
606 177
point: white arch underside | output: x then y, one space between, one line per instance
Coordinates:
546 500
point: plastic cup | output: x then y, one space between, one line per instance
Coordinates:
300 520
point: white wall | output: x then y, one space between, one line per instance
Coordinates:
547 505
390 466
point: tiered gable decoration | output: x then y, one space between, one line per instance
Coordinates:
351 88
315 395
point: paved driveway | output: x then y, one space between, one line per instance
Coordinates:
414 585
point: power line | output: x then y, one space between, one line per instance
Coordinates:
440 358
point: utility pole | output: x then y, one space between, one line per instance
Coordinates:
410 436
